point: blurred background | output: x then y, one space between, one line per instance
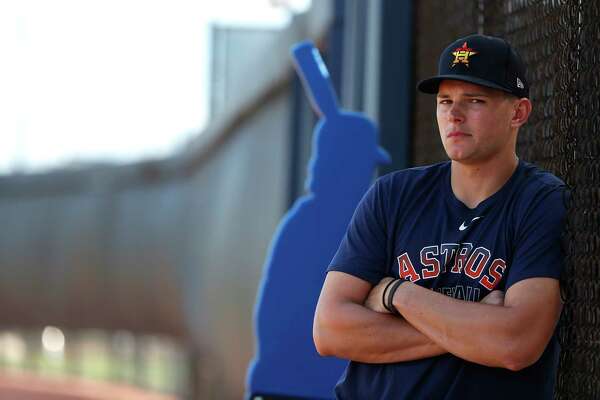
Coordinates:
148 150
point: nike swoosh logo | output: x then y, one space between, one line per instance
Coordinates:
462 226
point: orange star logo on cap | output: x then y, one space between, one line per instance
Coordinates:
462 54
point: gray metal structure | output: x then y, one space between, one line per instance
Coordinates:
230 46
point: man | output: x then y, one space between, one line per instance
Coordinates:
446 283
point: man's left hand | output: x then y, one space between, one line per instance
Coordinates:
374 300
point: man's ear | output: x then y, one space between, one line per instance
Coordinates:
522 110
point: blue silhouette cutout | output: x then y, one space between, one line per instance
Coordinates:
345 153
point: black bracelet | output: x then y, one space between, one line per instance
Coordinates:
383 296
389 301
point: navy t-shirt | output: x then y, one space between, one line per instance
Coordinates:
410 224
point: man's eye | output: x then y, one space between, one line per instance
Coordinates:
476 101
444 102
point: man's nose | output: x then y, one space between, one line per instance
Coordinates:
455 113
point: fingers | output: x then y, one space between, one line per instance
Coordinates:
495 297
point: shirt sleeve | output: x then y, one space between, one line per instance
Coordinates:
362 252
538 251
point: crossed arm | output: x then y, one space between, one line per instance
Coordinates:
513 333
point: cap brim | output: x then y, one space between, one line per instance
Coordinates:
431 85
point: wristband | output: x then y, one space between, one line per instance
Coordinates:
390 297
383 296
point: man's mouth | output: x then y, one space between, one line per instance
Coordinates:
457 134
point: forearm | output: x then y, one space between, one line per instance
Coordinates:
351 331
476 332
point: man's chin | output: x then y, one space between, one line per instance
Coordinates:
459 156
465 159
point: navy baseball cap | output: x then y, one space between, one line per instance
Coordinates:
483 60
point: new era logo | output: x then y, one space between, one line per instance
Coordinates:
520 84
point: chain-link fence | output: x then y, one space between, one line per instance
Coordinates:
560 43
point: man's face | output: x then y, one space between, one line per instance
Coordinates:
474 121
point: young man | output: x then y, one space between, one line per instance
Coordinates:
446 283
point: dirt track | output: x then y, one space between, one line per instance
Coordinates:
27 386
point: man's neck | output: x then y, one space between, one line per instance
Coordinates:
473 183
